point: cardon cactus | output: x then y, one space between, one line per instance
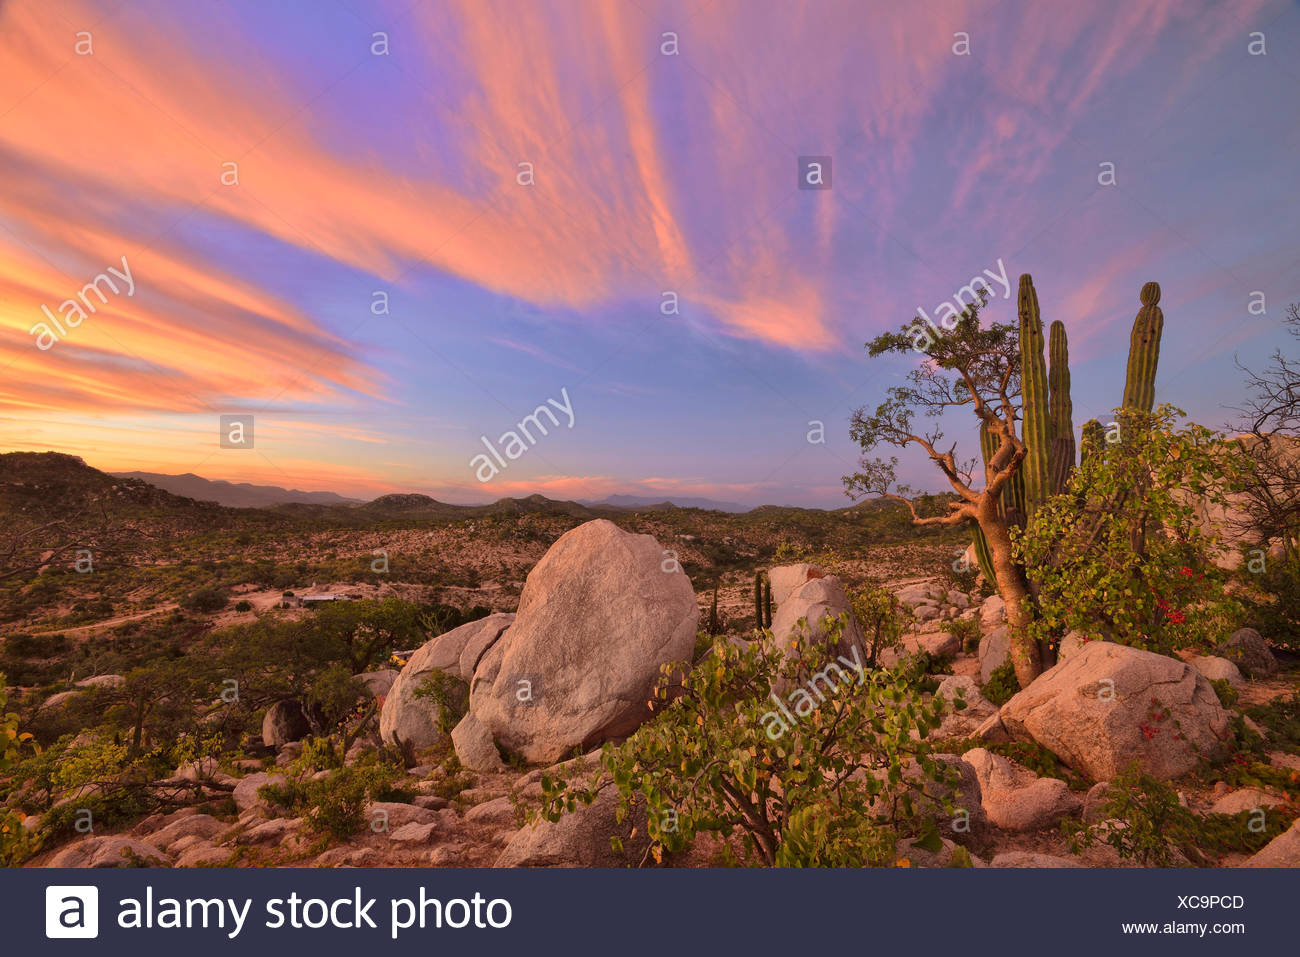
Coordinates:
762 601
1034 406
1060 409
1144 352
983 555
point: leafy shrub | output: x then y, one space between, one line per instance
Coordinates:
967 631
1274 600
1002 684
449 694
16 845
1281 717
835 783
881 616
1226 692
205 600
1157 830
1121 554
243 605
334 806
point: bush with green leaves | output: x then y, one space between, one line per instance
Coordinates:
1144 821
334 806
881 616
1002 684
1273 598
207 599
449 696
1124 554
16 844
965 630
807 762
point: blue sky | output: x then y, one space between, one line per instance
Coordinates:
663 141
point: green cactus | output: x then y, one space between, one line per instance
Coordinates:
713 612
1060 409
983 555
758 600
1034 406
1144 352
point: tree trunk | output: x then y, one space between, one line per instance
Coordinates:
1026 656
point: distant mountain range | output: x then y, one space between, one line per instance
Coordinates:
235 494
246 495
632 501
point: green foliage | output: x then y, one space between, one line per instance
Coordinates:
1281 718
16 845
835 784
881 616
1157 830
965 630
1273 599
1226 692
206 600
334 806
1002 684
451 778
449 694
243 605
1121 555
333 696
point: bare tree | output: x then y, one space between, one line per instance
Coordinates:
1271 423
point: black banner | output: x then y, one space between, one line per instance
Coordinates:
210 911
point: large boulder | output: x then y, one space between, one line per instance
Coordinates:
598 617
474 745
786 578
1218 669
977 709
1282 851
581 839
1109 704
109 852
1247 649
814 601
284 721
378 683
1016 799
993 612
413 719
994 652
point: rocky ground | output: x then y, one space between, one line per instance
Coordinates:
602 610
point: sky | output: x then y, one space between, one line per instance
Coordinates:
389 231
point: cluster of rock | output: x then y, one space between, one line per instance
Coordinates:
600 616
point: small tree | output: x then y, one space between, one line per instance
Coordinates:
1271 443
977 368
